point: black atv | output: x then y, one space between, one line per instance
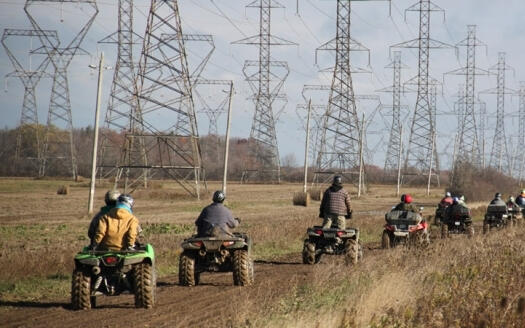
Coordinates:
112 273
497 216
214 254
457 221
516 215
332 241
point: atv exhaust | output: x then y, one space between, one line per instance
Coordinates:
202 252
95 270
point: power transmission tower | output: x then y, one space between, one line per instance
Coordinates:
122 105
58 147
266 78
394 152
164 91
421 156
469 150
339 149
29 138
521 133
499 155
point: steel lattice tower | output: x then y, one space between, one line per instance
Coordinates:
339 146
469 150
521 132
28 141
420 157
122 105
265 82
499 155
164 91
394 151
58 147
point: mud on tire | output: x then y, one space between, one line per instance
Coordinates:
470 231
486 228
144 281
308 252
386 243
351 251
444 231
187 275
80 290
242 268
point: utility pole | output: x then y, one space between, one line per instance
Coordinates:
29 138
227 141
421 150
55 147
266 83
306 145
521 134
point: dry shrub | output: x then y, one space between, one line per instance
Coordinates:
301 198
63 190
316 194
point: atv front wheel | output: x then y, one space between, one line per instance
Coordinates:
309 252
187 275
351 251
144 285
385 240
242 268
80 290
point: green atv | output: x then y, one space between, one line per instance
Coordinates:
103 272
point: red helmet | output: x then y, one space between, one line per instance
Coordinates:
406 198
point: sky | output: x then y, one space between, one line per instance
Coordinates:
308 23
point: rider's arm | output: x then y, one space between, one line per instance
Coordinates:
132 232
101 230
323 205
231 222
348 205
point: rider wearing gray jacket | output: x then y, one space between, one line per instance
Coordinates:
215 219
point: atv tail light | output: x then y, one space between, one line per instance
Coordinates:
420 226
390 227
111 260
228 243
319 232
424 224
197 243
340 233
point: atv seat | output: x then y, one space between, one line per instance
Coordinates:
497 209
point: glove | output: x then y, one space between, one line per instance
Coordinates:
348 216
130 248
92 247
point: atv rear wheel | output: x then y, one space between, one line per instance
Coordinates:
144 285
351 251
486 228
470 231
309 252
444 231
242 268
385 240
187 275
80 290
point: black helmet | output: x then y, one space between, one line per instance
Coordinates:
218 197
338 181
126 199
111 197
497 195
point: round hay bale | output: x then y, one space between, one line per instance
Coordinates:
316 194
301 198
63 190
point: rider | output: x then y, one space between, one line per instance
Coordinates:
406 204
215 219
511 202
110 199
461 201
497 200
520 200
335 206
118 228
447 200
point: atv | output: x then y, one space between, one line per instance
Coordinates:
216 254
111 273
332 241
497 216
516 215
457 221
405 227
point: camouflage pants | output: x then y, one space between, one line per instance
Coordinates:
335 221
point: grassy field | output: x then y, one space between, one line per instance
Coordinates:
460 282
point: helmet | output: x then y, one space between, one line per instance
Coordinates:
497 195
511 199
338 181
111 197
455 200
406 198
448 194
523 191
126 199
218 197
462 198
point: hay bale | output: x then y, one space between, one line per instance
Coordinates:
301 198
63 190
316 194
